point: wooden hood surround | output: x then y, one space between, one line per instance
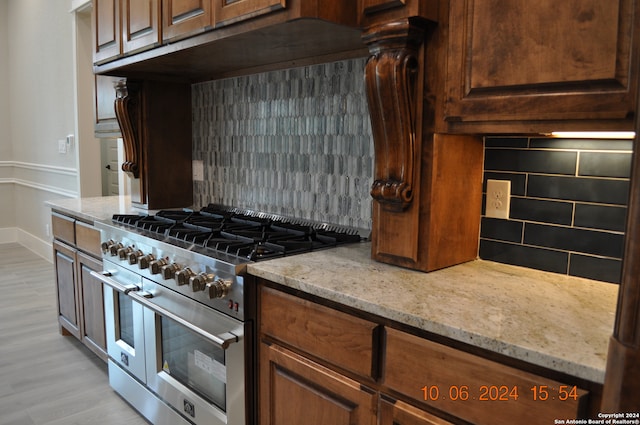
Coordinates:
427 188
427 184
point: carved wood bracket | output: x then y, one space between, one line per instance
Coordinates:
390 77
127 105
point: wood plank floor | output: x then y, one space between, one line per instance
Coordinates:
47 378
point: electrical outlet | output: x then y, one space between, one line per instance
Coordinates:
498 198
198 170
62 146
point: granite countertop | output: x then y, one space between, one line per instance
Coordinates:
559 322
94 209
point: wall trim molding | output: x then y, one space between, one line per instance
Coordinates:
40 247
67 171
51 169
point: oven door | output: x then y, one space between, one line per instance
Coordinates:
124 318
195 357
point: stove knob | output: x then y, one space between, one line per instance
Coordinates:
135 256
199 282
169 270
183 276
219 288
106 245
113 249
124 252
145 260
156 266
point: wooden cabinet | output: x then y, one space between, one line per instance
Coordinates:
378 11
326 334
92 304
395 412
521 66
183 18
467 386
308 373
298 391
141 26
76 250
67 288
229 11
105 15
155 119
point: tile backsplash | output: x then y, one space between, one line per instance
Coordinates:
295 142
568 205
298 143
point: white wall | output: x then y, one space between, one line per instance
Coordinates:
37 95
7 212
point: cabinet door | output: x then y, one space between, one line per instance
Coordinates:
399 413
140 25
515 65
477 390
182 18
297 391
93 330
106 30
67 291
229 11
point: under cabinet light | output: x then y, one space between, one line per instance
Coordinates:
593 134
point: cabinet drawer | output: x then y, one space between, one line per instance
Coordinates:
473 388
88 239
63 228
328 334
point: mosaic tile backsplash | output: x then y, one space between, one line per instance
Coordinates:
568 205
295 142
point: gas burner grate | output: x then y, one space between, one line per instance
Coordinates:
244 234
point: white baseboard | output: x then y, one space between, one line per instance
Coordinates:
32 243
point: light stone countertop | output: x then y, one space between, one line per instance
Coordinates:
94 209
559 322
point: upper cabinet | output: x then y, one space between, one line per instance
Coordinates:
124 27
106 30
183 18
198 40
229 11
141 28
522 66
378 11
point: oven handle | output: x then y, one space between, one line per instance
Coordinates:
105 277
223 340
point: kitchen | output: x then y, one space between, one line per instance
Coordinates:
347 65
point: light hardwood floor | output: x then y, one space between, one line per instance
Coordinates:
47 378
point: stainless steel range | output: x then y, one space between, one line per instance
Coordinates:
180 309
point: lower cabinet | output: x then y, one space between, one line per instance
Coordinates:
394 412
93 330
322 366
79 295
298 391
67 288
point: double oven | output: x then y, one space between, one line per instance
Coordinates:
180 309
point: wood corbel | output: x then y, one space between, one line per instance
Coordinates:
390 77
127 108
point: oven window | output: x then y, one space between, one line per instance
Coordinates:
125 319
194 362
